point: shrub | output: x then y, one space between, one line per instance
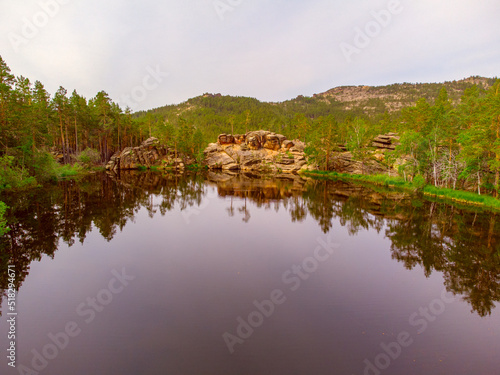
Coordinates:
12 176
45 166
89 158
68 170
419 182
3 223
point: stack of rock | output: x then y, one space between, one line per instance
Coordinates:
259 151
387 141
150 153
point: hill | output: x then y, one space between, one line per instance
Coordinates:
369 102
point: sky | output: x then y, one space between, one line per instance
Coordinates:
151 53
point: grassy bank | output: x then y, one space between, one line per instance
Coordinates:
459 196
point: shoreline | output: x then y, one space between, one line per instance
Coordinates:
428 191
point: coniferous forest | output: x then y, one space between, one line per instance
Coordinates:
450 133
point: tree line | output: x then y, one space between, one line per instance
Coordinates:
447 142
31 121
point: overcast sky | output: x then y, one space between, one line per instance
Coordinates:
152 53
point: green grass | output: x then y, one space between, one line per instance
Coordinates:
381 180
196 167
460 196
68 170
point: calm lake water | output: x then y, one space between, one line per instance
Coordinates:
218 274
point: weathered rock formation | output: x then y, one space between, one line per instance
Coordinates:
374 162
344 162
149 154
258 151
387 141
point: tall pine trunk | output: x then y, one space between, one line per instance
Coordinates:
63 143
67 140
76 137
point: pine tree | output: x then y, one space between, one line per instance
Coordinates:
60 104
6 84
492 103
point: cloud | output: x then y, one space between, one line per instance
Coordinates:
270 50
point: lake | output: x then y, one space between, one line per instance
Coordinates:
145 273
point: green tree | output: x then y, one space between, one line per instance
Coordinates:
492 103
3 222
60 104
6 84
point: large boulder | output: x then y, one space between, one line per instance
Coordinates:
216 157
151 153
225 139
272 142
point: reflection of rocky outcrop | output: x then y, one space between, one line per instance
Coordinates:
261 151
257 188
150 153
463 245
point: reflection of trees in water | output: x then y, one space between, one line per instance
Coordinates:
40 218
464 245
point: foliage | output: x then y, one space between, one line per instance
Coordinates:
418 184
12 176
449 133
68 170
89 158
45 166
3 222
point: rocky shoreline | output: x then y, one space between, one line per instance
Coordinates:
258 151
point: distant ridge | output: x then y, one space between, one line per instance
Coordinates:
370 102
397 96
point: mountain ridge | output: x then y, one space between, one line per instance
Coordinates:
363 100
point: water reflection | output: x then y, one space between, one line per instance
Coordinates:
463 244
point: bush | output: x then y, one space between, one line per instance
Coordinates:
68 170
419 182
3 223
12 176
89 158
45 166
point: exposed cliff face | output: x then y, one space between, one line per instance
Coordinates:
149 154
393 98
259 151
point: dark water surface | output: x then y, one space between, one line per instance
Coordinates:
213 274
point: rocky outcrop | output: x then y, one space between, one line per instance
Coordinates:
374 160
344 162
149 154
387 141
257 151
